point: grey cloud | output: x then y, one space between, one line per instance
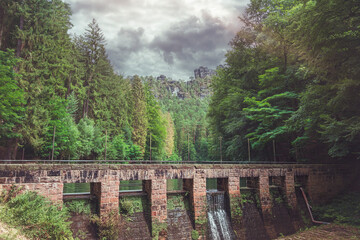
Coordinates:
130 40
194 41
89 6
133 49
127 42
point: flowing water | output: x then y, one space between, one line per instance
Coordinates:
219 221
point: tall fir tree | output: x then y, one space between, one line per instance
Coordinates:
139 121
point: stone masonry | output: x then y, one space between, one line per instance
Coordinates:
323 182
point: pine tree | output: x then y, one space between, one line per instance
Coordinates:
97 66
139 121
11 105
44 46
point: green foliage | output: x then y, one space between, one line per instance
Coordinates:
202 221
158 228
108 225
290 77
344 209
139 119
66 132
304 218
194 235
91 141
173 158
12 97
130 205
38 218
79 206
118 149
7 195
177 202
135 152
156 124
188 114
58 74
236 207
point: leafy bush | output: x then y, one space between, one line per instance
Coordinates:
79 206
7 195
39 218
126 207
130 205
194 235
108 226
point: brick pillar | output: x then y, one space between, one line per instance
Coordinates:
264 193
235 205
199 198
197 191
107 193
55 192
156 190
266 204
289 187
158 200
234 186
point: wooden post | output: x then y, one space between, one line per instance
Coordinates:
188 148
220 138
105 143
274 150
23 154
53 145
249 149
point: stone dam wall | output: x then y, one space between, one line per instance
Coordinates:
321 182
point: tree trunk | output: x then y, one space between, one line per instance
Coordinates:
12 148
285 58
2 14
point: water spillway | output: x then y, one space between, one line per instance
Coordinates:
218 219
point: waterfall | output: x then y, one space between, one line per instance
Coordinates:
219 222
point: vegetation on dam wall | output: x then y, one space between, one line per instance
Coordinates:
36 216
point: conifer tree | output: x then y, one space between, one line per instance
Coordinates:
11 104
139 121
43 44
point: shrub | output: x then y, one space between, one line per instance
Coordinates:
39 218
7 195
79 206
108 226
194 235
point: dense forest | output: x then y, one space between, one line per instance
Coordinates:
63 88
289 90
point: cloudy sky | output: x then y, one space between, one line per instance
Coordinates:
170 37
